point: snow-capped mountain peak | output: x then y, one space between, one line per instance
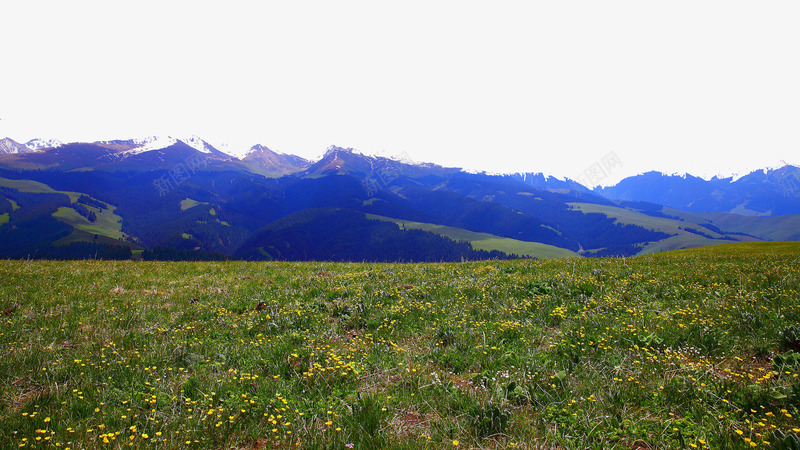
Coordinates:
153 143
198 144
38 144
9 146
258 148
242 153
150 143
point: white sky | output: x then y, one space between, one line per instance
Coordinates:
680 86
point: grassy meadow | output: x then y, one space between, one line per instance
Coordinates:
690 349
485 241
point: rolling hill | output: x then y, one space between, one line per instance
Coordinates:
39 220
485 241
346 235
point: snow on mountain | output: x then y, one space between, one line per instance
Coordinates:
258 148
772 168
729 174
547 181
198 144
525 176
151 143
682 175
724 174
38 144
225 148
736 176
9 146
473 171
705 176
766 171
242 153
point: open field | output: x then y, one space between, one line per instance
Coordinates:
190 203
773 228
694 348
686 240
485 241
626 216
36 187
108 224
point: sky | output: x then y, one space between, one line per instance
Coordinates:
704 87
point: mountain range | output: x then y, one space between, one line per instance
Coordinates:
8 146
175 198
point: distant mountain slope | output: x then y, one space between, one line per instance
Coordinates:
39 144
137 146
9 146
630 217
65 157
675 233
42 223
380 171
760 193
346 235
70 208
186 195
548 182
778 228
272 163
485 241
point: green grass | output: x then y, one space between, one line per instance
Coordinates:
626 216
14 205
776 228
4 218
108 224
108 220
189 203
681 238
679 349
84 236
36 187
776 249
485 241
